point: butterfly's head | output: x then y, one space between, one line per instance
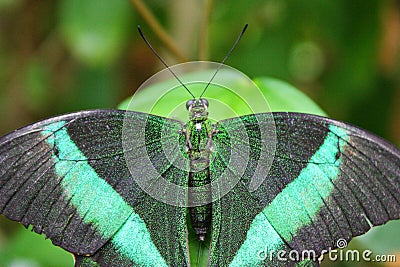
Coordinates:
197 109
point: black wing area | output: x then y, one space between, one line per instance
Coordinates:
328 181
68 177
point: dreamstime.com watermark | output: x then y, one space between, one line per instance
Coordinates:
350 255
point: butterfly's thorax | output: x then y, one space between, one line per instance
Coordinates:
198 132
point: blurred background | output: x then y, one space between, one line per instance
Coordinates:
69 55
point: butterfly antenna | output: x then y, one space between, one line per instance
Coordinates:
163 61
225 58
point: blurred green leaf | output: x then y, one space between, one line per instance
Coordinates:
9 3
285 97
240 95
96 33
93 88
279 95
36 84
380 239
30 249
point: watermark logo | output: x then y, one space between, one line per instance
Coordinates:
349 255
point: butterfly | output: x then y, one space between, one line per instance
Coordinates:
121 188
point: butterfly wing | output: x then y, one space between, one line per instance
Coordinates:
328 181
68 177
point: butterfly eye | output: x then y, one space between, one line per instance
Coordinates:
189 103
204 102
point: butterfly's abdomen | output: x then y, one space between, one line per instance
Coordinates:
199 145
200 216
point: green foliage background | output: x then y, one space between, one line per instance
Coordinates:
69 55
